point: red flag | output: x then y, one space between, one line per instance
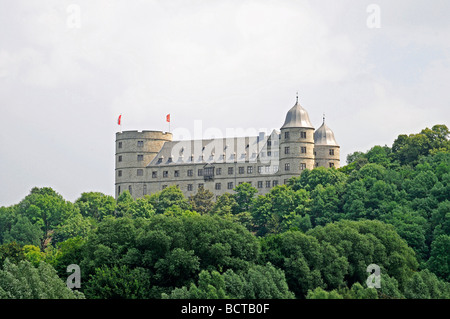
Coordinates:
119 119
168 118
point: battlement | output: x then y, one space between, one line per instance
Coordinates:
154 135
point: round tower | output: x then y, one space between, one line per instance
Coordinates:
326 149
134 151
296 143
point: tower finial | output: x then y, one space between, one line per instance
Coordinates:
324 117
297 97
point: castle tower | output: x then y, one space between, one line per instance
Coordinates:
296 143
134 151
326 149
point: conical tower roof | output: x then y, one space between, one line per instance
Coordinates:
297 117
324 136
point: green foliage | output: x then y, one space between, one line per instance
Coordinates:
307 264
280 210
426 285
369 242
244 195
439 262
202 202
118 283
24 281
259 282
96 205
12 251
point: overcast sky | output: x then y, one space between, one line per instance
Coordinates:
69 68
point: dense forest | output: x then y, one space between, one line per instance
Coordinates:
311 238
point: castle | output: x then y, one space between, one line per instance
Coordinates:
149 161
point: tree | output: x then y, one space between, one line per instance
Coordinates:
306 263
177 268
211 285
168 197
319 293
24 281
23 232
96 205
309 179
366 242
425 285
202 202
280 210
12 251
439 262
118 283
47 209
244 195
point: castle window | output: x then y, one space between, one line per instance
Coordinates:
169 160
200 185
286 135
249 169
164 186
286 150
140 157
331 165
218 186
190 187
218 171
241 170
230 170
302 166
190 172
200 172
274 183
165 174
317 164
302 134
130 190
119 173
159 160
260 184
287 167
267 184
259 169
269 153
144 189
118 190
140 143
275 168
120 145
267 169
120 158
176 173
303 149
140 172
331 152
230 185
269 143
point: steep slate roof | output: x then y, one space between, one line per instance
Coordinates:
220 150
